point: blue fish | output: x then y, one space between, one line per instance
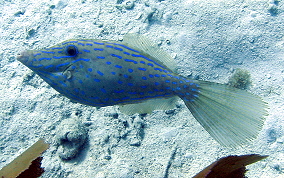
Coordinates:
139 76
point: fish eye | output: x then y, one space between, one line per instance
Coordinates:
71 50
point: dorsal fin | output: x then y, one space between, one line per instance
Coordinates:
141 42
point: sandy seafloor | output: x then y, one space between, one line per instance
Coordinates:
208 39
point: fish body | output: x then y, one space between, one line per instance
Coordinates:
103 73
136 72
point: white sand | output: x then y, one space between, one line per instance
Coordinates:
207 38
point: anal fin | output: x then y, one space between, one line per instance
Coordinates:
149 105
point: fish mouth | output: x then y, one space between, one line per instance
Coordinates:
23 57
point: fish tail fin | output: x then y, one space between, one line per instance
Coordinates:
230 115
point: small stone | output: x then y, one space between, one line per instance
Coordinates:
19 13
139 16
71 135
276 167
171 111
153 15
52 7
189 155
276 2
147 4
31 32
174 55
273 10
107 157
271 135
119 1
113 114
129 5
135 142
119 6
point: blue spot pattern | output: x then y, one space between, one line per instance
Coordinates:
98 49
166 85
44 58
118 66
100 73
49 66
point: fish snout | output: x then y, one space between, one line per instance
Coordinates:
23 56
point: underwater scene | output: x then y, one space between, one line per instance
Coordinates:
142 88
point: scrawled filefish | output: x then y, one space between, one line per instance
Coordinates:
136 71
